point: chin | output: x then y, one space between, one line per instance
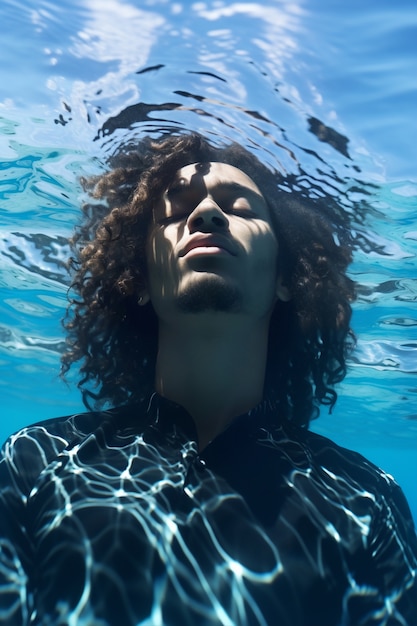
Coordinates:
211 294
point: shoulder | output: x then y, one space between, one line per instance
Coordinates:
372 499
29 451
336 459
359 479
347 464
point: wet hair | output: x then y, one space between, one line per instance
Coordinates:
116 339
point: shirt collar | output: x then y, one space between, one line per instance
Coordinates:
173 421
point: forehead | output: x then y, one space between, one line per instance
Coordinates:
215 174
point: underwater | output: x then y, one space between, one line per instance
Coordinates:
324 95
322 92
319 88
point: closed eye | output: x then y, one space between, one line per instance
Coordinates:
241 207
247 213
243 212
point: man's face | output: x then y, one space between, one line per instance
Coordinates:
211 246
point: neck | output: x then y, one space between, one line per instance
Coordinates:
215 371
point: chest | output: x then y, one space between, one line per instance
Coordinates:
129 528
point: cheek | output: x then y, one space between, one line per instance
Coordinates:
158 248
154 261
263 247
159 261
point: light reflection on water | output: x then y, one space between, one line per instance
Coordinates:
317 94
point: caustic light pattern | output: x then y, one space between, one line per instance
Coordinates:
115 519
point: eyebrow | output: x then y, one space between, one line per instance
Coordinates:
232 186
180 186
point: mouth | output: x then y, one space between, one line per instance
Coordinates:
209 244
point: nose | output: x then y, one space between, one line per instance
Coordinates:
207 217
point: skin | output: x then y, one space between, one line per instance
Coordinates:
213 281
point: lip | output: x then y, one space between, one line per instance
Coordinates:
209 241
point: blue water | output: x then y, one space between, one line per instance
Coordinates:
78 78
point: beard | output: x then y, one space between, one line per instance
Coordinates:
211 294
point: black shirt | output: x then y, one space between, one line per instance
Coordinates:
115 519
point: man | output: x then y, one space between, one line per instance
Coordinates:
213 308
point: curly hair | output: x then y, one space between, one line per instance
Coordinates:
116 339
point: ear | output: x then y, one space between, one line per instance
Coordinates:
282 292
144 298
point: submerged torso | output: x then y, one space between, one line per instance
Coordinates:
116 519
